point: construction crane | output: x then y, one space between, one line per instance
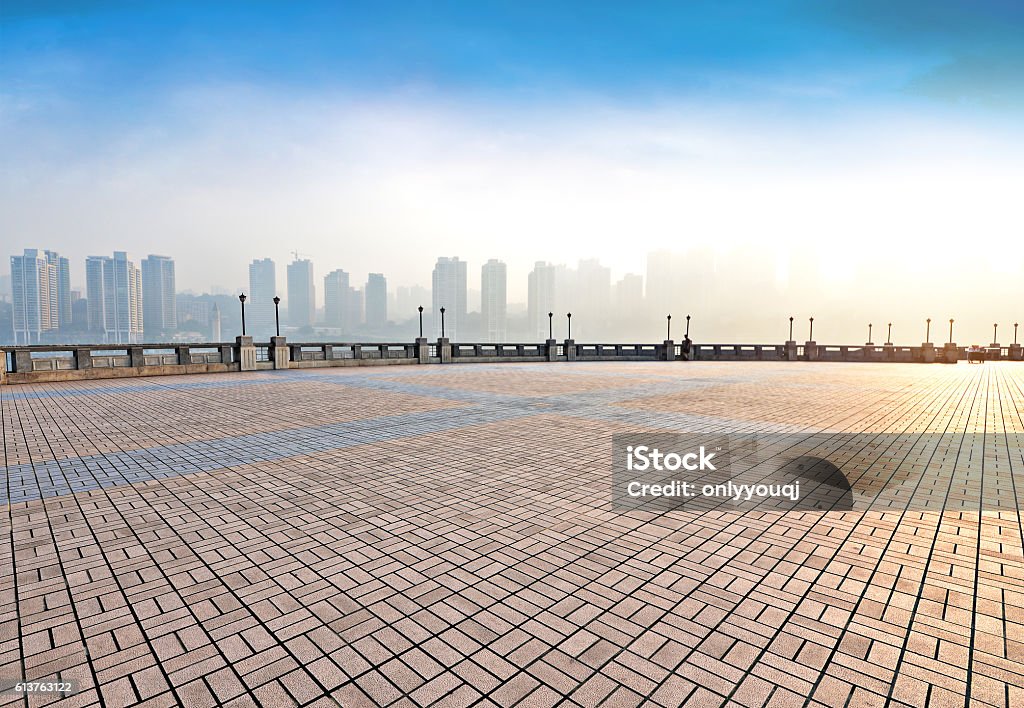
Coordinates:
298 255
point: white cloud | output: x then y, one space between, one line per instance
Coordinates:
221 175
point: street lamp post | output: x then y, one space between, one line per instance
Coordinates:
241 299
1015 333
810 335
277 315
551 326
995 330
950 330
869 333
568 317
928 331
790 328
420 309
442 323
687 335
888 337
668 333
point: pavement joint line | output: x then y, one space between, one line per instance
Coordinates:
605 563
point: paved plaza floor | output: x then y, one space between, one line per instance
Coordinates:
445 535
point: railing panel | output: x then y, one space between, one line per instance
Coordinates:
52 360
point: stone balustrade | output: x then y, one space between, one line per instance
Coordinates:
43 363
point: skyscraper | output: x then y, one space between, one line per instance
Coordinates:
34 296
159 305
336 294
494 300
262 290
61 288
354 308
665 282
408 299
301 293
449 292
629 296
592 295
540 298
114 291
376 301
215 324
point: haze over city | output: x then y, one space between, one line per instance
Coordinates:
856 162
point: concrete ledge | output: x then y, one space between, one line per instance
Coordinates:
499 359
118 372
624 357
332 363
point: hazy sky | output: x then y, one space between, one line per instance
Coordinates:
378 136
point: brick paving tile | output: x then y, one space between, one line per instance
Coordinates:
445 536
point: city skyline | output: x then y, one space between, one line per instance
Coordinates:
879 138
605 308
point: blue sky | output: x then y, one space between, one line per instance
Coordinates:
520 130
114 58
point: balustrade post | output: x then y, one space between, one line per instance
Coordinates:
422 349
83 358
246 353
136 357
279 352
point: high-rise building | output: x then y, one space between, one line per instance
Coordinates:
34 296
629 295
195 309
79 315
354 308
114 292
376 301
665 281
61 289
260 311
215 332
6 321
592 295
301 293
336 294
159 306
408 300
449 292
95 266
494 300
540 298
